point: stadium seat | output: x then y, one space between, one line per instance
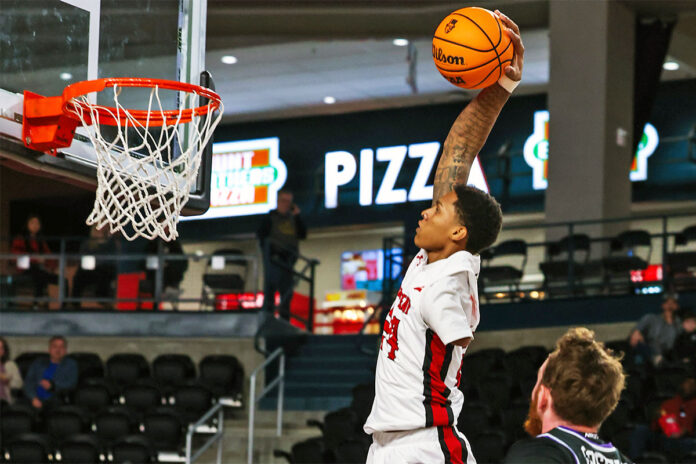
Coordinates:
477 364
363 397
164 428
89 365
668 379
113 423
496 270
621 416
192 401
512 420
94 394
126 368
556 268
489 446
230 279
524 362
25 360
681 262
339 426
29 448
629 251
17 419
65 421
475 416
310 451
132 449
351 452
80 449
651 457
621 438
223 375
170 370
495 390
141 396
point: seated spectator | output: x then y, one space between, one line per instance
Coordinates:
47 377
104 272
655 334
41 271
10 378
685 345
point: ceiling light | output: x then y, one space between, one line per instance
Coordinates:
229 59
66 76
329 100
400 42
670 65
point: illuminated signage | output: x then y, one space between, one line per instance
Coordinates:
341 167
536 151
245 178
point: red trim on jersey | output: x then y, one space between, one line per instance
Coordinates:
452 446
437 359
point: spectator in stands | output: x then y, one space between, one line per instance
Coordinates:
672 427
48 377
10 377
104 272
280 233
577 387
41 271
685 345
172 271
655 334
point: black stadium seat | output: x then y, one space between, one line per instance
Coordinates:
89 365
192 401
29 448
126 368
512 420
25 360
16 419
170 370
113 423
141 397
477 364
351 452
133 449
80 449
495 390
524 362
475 416
94 394
310 451
64 421
489 446
223 375
340 426
165 429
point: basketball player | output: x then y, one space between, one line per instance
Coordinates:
436 311
577 387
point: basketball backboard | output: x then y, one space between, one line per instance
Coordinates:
46 45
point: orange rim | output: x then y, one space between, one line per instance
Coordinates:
119 117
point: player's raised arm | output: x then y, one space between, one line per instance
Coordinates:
471 128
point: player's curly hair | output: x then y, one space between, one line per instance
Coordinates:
584 377
480 214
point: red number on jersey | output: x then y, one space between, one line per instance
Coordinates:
391 331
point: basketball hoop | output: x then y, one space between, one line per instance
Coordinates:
145 171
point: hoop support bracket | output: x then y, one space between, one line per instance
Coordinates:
45 126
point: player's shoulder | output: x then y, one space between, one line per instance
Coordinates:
538 450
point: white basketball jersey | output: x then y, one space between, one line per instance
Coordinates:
418 366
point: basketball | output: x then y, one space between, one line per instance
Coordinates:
471 49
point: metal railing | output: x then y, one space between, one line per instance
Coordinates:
15 275
201 427
279 381
305 273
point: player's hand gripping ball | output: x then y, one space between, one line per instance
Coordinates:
471 48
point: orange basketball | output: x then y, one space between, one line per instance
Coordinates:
471 48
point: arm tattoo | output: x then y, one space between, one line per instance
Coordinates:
466 137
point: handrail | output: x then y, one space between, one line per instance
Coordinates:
217 436
278 381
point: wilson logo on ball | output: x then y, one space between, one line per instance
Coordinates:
442 57
450 26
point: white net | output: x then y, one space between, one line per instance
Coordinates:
145 173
